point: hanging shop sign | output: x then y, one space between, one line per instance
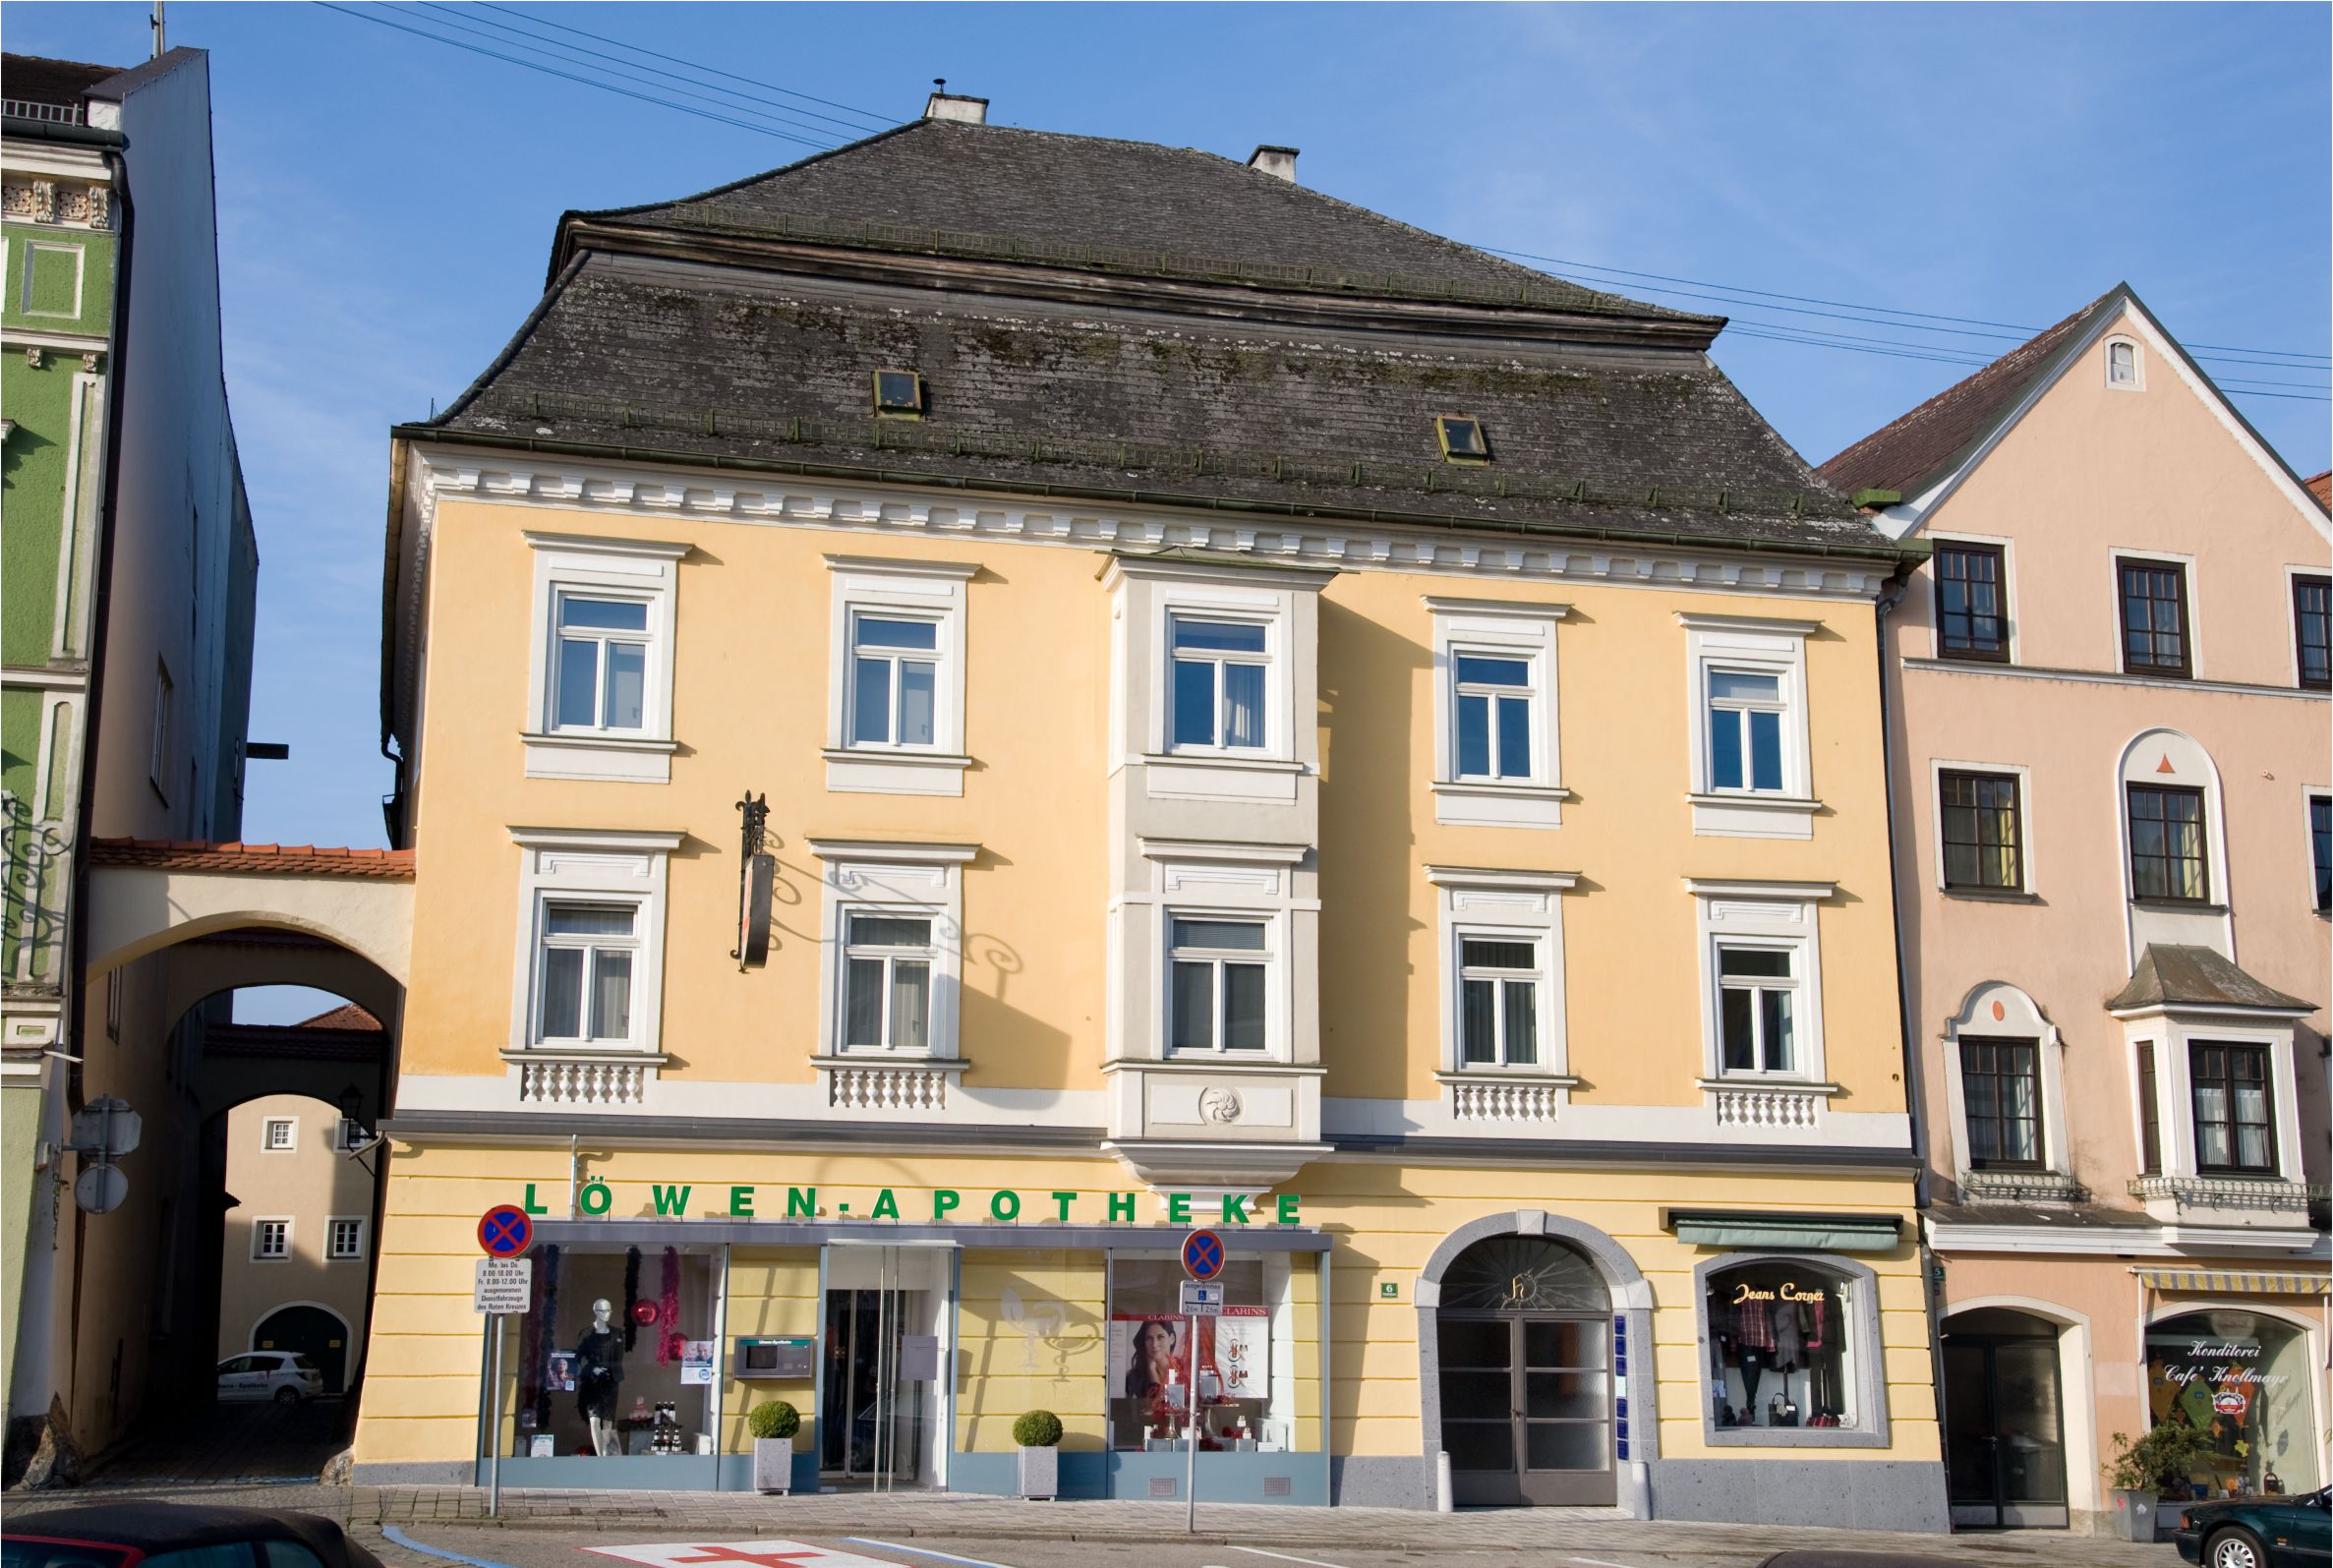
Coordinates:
597 1199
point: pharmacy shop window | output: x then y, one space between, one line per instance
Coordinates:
1246 1369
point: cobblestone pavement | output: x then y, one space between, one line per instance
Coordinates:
241 1445
538 1527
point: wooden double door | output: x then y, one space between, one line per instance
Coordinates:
1527 1407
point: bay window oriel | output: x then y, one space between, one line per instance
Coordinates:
1220 678
1219 983
2235 1120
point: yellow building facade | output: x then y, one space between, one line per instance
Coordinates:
1476 914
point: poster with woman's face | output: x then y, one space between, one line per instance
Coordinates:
1233 1354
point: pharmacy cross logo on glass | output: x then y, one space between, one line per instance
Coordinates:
1203 1254
506 1231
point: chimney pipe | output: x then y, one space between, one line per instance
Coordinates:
946 105
1278 163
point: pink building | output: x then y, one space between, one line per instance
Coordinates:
2108 704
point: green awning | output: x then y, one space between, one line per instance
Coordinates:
1757 1230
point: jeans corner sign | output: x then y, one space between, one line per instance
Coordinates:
597 1199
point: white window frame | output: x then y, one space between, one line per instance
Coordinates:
1756 646
291 1141
642 571
898 589
259 1233
591 866
1498 630
592 946
1504 905
1269 660
922 880
1272 958
1770 915
332 1226
2106 364
928 953
2308 869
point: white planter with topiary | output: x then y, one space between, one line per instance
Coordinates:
773 1424
1038 1434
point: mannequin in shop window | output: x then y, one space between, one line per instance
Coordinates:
599 1374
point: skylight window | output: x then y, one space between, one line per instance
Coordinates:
1462 438
898 392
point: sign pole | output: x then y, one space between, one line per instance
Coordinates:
494 1457
1190 1431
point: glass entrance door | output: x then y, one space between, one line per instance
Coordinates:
1527 1409
2005 1443
880 1403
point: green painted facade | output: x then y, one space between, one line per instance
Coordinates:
56 310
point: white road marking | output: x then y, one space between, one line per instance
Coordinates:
391 1532
745 1554
924 1551
1258 1551
1598 1561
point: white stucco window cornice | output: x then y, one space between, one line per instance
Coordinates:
891 1078
643 573
1744 653
601 868
897 591
1501 1096
1500 788
1772 916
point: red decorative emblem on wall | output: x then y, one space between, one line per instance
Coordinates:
2165 765
1999 1013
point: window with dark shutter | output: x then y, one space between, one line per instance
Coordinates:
2150 1114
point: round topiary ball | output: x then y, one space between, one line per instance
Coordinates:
1039 1428
773 1419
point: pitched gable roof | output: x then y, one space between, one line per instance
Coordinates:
2173 974
1921 445
1046 195
2322 488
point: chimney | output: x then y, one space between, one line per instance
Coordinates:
946 105
1278 163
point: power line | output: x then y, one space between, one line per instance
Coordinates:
790 114
536 45
1945 357
530 65
1881 309
881 122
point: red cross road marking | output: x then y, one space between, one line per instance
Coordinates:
770 1559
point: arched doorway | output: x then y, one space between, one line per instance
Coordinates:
311 1331
2005 1428
1524 1341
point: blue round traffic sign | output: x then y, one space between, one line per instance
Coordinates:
506 1231
1203 1254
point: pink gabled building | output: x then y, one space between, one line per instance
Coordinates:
2108 710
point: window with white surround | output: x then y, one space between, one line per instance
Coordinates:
2213 1097
1496 759
2124 372
1749 750
280 1133
1221 672
1758 1007
1761 1003
589 982
895 703
345 1239
892 922
270 1240
1219 973
1505 1056
158 760
600 688
887 981
584 969
2003 1076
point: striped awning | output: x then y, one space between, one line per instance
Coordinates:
2225 1283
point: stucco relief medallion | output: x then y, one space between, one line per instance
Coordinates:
1219 1104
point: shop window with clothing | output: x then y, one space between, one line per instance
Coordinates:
1780 1351
2244 1380
615 1363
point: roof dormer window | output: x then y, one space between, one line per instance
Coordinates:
1462 438
899 394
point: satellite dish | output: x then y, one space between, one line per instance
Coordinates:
100 1189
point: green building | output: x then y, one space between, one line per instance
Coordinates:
130 565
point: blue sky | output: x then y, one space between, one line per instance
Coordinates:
386 204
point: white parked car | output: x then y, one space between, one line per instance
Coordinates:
282 1376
